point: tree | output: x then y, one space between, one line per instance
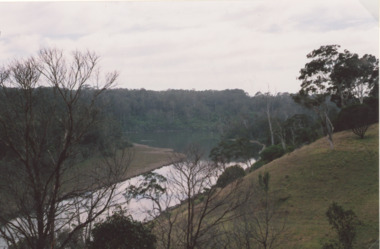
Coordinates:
260 223
229 175
336 76
300 129
47 110
269 100
240 149
344 222
342 75
272 152
355 76
122 232
267 230
154 187
200 206
357 118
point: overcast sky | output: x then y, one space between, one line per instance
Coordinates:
159 45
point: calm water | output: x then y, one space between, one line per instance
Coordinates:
177 140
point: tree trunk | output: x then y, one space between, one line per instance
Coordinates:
270 125
330 130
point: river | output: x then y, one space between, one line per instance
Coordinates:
138 208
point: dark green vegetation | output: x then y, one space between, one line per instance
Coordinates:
271 153
233 150
229 175
357 118
344 222
145 110
340 77
120 231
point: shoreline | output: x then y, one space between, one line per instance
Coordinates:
147 158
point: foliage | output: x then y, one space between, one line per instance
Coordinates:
300 129
236 149
229 175
272 152
355 117
264 181
258 164
120 231
201 207
146 110
342 75
151 186
344 222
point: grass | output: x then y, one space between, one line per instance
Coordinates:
314 176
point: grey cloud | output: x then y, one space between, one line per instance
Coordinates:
321 20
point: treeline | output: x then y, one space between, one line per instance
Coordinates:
219 111
146 110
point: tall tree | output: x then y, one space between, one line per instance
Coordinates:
342 75
47 110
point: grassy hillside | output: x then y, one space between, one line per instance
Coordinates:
312 177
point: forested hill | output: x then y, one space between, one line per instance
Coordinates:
140 110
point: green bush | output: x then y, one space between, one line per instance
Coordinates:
121 232
344 222
272 152
229 175
258 164
355 117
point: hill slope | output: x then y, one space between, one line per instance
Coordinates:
314 176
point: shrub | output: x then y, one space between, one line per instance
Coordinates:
272 152
344 222
355 117
119 231
229 175
258 164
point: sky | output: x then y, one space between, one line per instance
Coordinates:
254 45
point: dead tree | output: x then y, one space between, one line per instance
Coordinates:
48 104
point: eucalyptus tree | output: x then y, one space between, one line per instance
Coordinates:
200 207
316 86
343 75
48 107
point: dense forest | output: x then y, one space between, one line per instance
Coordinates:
229 112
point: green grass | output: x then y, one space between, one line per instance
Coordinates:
314 176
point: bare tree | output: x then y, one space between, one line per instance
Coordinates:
200 207
267 227
260 223
48 106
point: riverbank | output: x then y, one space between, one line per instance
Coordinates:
146 158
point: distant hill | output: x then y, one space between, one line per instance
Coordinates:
310 178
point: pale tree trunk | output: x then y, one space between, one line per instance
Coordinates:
269 120
330 130
327 126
